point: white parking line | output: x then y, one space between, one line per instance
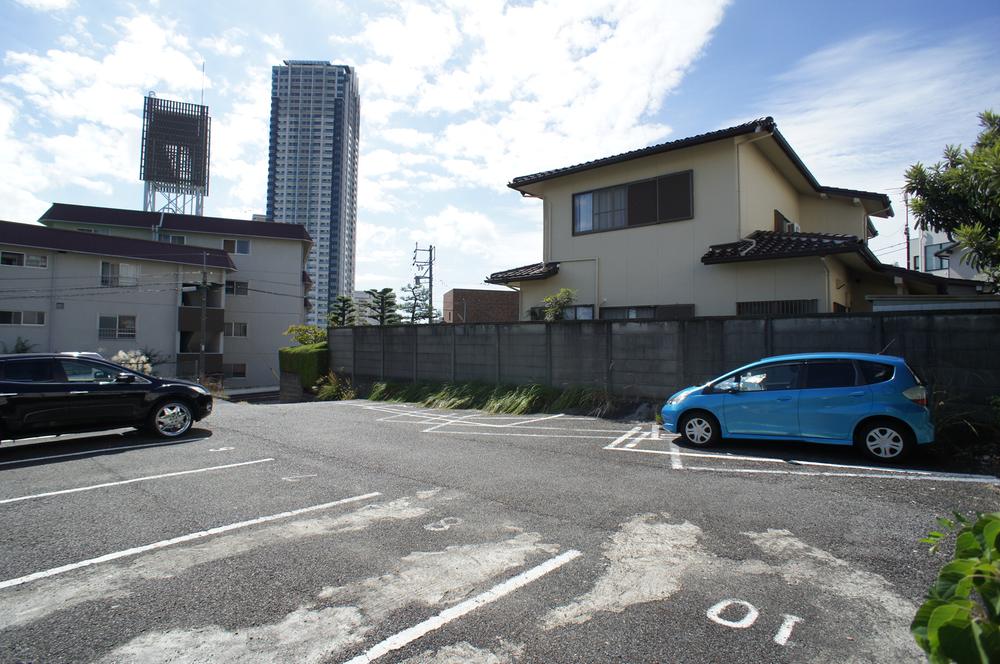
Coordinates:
621 439
21 580
444 424
635 441
880 473
971 479
97 451
520 435
131 481
411 634
802 462
675 456
537 419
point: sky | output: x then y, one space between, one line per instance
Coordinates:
458 97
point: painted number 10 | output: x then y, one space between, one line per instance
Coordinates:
750 615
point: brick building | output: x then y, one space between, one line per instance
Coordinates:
470 305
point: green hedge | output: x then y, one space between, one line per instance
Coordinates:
309 362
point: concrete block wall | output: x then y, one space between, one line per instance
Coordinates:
646 358
959 352
434 352
476 353
524 355
580 353
340 340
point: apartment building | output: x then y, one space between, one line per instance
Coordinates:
263 294
68 291
312 172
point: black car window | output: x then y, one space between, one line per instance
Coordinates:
830 374
28 371
82 371
770 377
875 372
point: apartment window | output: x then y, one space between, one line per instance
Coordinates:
14 258
776 307
237 287
932 262
628 313
235 370
235 329
173 239
659 200
119 274
116 327
579 312
22 318
234 246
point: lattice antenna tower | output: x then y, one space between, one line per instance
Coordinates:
175 156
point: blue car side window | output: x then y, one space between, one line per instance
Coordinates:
770 378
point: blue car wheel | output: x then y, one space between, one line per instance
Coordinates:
885 440
699 428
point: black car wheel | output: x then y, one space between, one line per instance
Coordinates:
699 428
171 419
885 440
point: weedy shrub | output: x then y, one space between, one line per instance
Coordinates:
332 387
960 619
507 399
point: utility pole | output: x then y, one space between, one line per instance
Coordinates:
427 266
204 316
906 227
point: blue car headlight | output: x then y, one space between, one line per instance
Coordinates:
676 399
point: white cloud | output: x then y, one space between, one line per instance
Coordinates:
860 112
46 5
470 245
511 89
227 44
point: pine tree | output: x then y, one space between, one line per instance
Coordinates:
382 307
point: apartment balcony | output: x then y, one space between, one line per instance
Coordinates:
189 319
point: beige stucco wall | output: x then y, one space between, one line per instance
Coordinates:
832 215
762 190
658 264
73 281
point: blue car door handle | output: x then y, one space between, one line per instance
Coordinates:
784 398
857 394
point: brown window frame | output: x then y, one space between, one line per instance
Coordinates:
657 180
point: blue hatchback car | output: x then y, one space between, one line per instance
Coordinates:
875 402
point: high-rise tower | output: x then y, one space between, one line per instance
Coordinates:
312 171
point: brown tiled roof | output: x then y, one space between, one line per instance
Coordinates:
524 273
765 245
86 214
41 237
766 124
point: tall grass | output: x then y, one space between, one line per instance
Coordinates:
509 399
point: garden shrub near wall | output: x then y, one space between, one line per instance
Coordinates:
309 362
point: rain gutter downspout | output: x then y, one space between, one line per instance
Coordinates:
826 286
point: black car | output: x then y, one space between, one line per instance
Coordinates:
50 393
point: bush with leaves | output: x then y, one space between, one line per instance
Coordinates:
306 334
20 346
960 619
135 360
332 387
557 303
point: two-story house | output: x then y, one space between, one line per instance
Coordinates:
63 290
258 301
725 223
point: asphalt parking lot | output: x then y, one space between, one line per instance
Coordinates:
358 531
